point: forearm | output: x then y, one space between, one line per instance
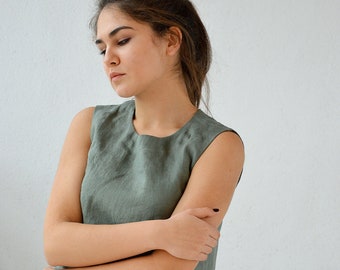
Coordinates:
184 236
159 260
78 245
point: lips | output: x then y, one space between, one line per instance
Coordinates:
116 75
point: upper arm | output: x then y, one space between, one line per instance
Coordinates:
64 202
211 184
215 176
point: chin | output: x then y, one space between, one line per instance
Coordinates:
124 93
125 96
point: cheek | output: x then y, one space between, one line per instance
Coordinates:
144 54
148 62
139 63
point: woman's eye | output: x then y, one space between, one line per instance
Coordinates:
123 41
102 52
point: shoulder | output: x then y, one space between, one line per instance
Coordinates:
83 118
125 106
212 136
207 126
228 145
99 115
225 151
104 112
101 119
84 115
79 131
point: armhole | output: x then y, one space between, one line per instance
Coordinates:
210 142
93 121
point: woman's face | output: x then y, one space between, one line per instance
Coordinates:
134 58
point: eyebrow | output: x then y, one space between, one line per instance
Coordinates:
113 32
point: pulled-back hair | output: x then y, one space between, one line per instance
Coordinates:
195 51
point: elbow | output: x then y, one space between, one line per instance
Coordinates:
50 259
55 255
50 252
53 250
60 249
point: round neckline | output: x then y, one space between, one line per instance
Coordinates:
176 133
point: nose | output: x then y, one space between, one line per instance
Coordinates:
111 58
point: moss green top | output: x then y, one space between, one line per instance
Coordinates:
131 177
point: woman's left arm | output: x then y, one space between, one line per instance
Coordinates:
211 184
215 176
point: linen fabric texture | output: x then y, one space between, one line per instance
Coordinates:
131 177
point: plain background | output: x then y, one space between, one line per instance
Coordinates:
275 79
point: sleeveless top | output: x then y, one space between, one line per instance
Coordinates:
131 177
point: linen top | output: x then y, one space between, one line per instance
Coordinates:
131 177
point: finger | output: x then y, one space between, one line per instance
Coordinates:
211 242
207 250
202 257
215 234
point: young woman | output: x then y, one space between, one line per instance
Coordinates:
145 184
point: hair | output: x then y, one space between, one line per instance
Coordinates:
195 50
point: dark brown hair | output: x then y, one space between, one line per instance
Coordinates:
195 52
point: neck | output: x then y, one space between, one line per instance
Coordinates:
163 111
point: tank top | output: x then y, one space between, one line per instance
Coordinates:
131 177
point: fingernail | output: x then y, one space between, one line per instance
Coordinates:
216 209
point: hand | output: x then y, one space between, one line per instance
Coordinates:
189 237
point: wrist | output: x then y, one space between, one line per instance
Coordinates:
158 231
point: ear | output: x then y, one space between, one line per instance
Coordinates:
174 37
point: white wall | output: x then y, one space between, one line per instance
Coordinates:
275 79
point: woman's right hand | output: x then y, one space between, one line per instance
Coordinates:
188 236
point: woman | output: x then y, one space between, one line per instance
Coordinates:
145 184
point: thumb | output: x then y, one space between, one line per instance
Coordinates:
203 212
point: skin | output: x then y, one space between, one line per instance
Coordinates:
148 64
